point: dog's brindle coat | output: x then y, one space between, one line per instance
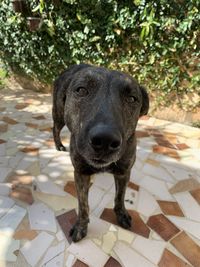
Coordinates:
101 108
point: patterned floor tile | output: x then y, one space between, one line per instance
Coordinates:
196 194
33 250
108 241
8 247
71 188
146 203
187 225
138 226
133 186
24 179
156 187
9 120
10 221
103 180
66 221
111 263
3 127
2 141
129 257
182 146
5 189
185 185
5 204
186 201
51 255
48 186
79 264
96 257
22 193
41 218
171 260
21 105
166 151
188 248
170 208
150 249
162 226
25 234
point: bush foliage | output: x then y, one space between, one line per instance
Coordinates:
155 41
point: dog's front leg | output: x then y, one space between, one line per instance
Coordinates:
79 230
123 218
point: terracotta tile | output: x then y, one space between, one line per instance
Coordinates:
171 260
23 194
46 129
133 186
9 120
155 132
182 146
170 208
21 105
79 263
2 141
29 101
196 194
144 118
166 151
31 125
162 226
30 150
71 188
164 142
112 263
17 179
66 221
138 226
25 234
153 162
39 117
185 185
171 137
3 127
188 248
50 142
141 134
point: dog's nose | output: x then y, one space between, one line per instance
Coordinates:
105 139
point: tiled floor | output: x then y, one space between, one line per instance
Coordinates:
38 202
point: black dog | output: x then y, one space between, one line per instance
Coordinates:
101 108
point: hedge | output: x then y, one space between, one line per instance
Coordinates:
155 41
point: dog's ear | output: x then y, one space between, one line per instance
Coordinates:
145 101
65 77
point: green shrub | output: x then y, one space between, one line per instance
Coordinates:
155 41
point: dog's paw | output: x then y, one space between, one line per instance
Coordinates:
124 220
78 232
61 148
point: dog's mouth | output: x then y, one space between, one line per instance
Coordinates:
100 163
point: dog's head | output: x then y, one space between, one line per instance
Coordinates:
102 108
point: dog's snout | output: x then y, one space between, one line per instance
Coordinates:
105 139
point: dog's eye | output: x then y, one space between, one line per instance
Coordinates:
131 99
81 91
